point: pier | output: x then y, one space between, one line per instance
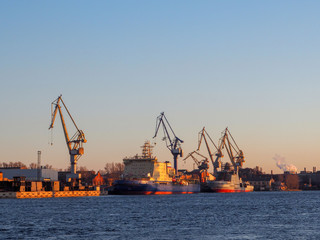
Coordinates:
49 194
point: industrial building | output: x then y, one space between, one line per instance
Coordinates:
30 174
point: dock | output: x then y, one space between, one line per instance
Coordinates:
49 194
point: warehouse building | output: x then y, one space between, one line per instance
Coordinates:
30 174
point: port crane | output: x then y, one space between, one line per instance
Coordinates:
235 154
203 134
173 143
75 143
202 164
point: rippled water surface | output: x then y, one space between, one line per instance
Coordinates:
257 215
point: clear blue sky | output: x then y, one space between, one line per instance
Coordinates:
250 65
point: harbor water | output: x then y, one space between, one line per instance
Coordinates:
256 215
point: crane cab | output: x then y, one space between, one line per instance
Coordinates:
177 151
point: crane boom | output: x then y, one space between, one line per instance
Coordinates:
65 131
202 164
172 143
74 144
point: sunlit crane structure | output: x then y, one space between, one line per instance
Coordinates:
235 154
75 143
203 134
173 142
202 164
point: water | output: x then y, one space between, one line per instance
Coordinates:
257 215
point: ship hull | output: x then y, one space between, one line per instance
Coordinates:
126 187
231 190
226 186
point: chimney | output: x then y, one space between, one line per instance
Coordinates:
39 167
314 169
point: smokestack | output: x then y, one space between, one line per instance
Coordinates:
39 167
271 172
314 169
305 169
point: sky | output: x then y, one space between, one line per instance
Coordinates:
251 66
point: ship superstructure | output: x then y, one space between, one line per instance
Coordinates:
147 167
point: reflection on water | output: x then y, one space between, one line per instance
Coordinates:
264 215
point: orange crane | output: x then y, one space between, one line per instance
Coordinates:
217 162
74 143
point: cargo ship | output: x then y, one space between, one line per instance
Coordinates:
227 183
144 175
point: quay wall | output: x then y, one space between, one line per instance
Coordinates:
76 193
48 194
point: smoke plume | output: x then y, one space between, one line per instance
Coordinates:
281 163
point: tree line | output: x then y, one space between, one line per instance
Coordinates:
111 170
22 165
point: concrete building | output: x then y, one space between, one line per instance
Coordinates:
30 174
261 182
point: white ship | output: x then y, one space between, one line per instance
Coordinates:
230 183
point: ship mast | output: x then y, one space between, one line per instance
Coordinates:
147 150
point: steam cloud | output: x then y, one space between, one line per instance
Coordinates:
281 163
